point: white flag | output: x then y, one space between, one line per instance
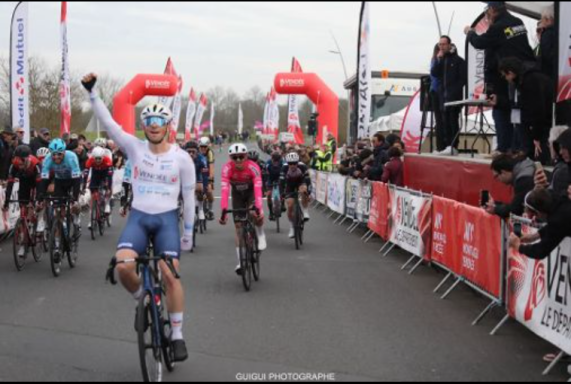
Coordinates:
364 75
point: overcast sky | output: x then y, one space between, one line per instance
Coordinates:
237 44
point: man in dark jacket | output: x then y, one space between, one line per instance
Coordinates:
42 141
375 170
452 73
543 205
517 173
506 37
532 106
547 50
6 153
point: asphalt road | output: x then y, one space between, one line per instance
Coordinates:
335 307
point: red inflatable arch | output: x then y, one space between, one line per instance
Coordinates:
127 99
319 93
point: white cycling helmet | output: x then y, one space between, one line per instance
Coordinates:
157 110
100 143
43 153
238 149
204 142
292 158
98 153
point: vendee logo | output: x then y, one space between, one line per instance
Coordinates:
295 83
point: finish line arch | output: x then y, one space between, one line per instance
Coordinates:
126 100
326 101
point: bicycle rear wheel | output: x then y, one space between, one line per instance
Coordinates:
36 243
150 352
102 220
73 253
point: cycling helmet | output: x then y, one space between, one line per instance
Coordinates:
23 152
157 110
42 153
204 142
253 155
191 145
292 158
57 146
98 153
237 149
102 143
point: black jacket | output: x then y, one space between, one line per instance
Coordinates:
523 183
38 143
378 166
547 54
535 97
6 154
557 229
506 37
452 73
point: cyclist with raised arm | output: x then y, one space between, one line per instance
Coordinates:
243 178
161 171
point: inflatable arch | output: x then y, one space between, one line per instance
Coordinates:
326 101
141 86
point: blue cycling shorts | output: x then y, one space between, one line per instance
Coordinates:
141 226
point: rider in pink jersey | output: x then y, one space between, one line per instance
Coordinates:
243 178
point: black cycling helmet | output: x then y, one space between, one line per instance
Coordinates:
253 155
276 157
191 145
23 152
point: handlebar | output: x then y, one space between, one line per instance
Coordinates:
110 276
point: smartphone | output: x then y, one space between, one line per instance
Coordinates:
538 167
484 198
518 231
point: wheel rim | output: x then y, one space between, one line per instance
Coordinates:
19 242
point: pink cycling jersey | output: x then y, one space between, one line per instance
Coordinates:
242 179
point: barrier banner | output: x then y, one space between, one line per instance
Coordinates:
336 193
321 188
9 219
352 198
480 248
411 222
380 210
538 294
444 236
364 202
313 177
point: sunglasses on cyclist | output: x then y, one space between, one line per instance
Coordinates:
239 158
57 154
158 121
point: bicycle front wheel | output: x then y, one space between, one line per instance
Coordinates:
56 248
245 261
150 351
20 245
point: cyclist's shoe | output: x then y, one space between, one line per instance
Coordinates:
21 252
306 217
272 217
107 209
210 216
291 233
201 215
239 270
89 226
262 243
179 351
